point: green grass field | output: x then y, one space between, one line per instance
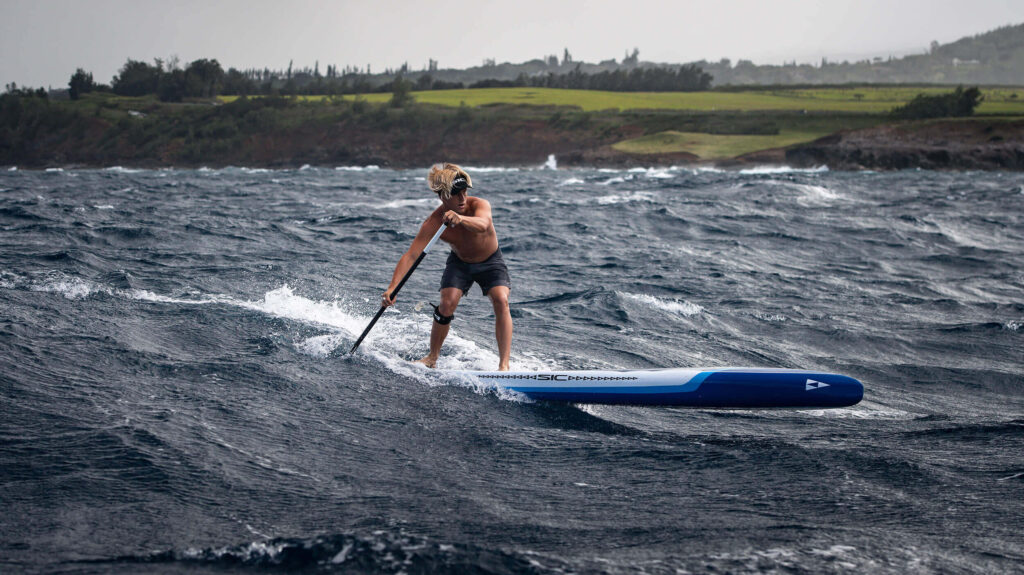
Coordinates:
799 114
711 146
871 100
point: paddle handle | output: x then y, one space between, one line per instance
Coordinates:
394 294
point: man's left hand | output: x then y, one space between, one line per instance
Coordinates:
452 219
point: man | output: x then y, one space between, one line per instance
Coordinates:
475 257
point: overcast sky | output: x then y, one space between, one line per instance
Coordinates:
43 41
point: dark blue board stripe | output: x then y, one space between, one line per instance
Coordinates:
719 389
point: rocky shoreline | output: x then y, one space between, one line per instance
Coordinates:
503 140
975 144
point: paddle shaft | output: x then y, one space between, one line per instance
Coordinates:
394 294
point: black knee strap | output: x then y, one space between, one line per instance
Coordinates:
441 319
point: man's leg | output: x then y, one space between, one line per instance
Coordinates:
502 324
449 301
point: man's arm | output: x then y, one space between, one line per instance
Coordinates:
427 231
479 222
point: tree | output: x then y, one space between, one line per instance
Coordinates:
171 87
401 92
81 83
203 78
237 83
136 78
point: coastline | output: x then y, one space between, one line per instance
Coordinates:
287 135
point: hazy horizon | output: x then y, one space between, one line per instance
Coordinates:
44 42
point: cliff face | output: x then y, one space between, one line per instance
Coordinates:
974 144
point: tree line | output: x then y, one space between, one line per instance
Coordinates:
206 78
687 78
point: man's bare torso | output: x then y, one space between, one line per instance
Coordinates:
469 246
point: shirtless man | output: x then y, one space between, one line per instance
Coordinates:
475 257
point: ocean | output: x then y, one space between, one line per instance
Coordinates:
176 393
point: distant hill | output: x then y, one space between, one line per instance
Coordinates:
995 57
991 58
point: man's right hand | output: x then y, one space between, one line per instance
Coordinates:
386 300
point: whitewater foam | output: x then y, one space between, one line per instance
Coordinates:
782 170
484 169
398 338
72 288
657 173
681 308
706 170
369 168
408 203
625 198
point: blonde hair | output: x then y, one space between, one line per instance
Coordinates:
441 178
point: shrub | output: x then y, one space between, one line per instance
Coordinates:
958 103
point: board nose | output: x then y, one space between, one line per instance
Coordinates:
837 391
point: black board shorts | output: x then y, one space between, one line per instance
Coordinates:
488 273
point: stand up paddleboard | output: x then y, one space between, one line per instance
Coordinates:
729 387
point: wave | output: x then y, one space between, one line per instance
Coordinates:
674 306
656 173
571 182
370 168
782 170
625 198
380 552
71 288
811 195
407 203
492 169
122 170
397 339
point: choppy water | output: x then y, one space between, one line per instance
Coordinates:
175 394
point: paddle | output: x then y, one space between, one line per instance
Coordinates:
394 294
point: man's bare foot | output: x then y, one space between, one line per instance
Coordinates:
503 367
427 361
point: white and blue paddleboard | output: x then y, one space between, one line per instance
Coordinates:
729 387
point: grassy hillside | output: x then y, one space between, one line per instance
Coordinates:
742 121
860 99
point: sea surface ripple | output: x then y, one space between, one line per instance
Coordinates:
176 394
